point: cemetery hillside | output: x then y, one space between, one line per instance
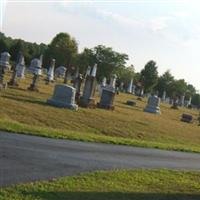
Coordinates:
88 125
114 110
99 100
27 112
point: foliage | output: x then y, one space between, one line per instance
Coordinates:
177 88
196 100
125 74
163 83
107 60
63 48
149 76
30 50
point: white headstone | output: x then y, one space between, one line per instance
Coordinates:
113 81
4 60
153 105
50 73
60 71
129 90
20 67
94 71
36 66
63 97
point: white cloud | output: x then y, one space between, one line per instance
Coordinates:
160 23
118 18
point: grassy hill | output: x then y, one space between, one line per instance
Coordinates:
23 111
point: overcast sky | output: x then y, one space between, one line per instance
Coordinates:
167 31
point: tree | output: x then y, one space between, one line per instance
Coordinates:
149 76
17 46
125 74
3 45
163 82
85 59
107 60
177 88
190 91
196 100
64 49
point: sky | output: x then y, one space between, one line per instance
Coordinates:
166 31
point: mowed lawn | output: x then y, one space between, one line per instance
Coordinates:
24 111
112 185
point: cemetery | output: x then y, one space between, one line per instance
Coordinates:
99 100
45 106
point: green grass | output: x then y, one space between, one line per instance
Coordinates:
112 185
26 112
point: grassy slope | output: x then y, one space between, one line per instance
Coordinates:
23 111
113 185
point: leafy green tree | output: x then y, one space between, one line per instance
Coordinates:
196 100
16 47
85 59
177 88
125 74
163 82
149 76
64 49
3 45
190 91
107 60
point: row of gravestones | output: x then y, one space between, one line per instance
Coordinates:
35 68
66 96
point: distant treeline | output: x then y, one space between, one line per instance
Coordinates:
64 49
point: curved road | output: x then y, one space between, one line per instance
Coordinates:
26 158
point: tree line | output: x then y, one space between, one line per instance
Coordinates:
64 48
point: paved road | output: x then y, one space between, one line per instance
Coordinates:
28 158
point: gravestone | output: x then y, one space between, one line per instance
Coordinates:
186 118
133 89
77 84
50 73
60 72
102 85
108 95
189 102
164 96
130 86
199 119
174 104
63 97
121 87
19 70
182 100
4 64
153 105
87 99
131 103
36 68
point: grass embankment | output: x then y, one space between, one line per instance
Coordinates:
26 112
113 185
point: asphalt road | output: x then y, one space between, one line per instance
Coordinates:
28 158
